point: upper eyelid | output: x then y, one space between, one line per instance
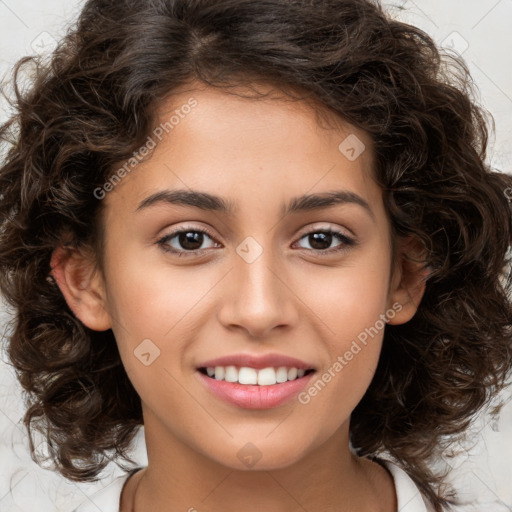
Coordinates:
328 227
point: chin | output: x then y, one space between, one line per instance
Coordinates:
260 455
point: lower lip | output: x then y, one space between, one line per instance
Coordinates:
255 397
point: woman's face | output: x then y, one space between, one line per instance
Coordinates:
266 280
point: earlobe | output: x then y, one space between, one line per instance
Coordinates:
409 281
81 286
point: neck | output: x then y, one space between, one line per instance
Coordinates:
178 478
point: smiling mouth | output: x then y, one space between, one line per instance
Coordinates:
251 376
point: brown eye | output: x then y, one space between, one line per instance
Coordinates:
321 240
185 241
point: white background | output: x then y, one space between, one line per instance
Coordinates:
481 30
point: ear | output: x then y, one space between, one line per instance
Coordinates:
409 279
82 286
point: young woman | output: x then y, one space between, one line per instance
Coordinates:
266 231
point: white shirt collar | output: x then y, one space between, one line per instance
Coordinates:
408 495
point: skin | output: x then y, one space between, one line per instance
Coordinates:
290 300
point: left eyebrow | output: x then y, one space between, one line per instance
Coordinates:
309 202
209 202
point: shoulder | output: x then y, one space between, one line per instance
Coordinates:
410 499
107 498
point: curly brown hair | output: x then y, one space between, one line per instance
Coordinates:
93 104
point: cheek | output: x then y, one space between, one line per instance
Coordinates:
353 339
157 310
149 297
335 392
352 304
350 298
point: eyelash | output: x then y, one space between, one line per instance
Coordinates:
346 242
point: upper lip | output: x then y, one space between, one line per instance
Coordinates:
258 361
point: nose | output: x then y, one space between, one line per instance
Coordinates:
257 297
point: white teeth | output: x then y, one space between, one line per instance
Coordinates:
231 374
292 373
282 374
219 372
245 375
267 377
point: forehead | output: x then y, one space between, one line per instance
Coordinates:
256 112
238 141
